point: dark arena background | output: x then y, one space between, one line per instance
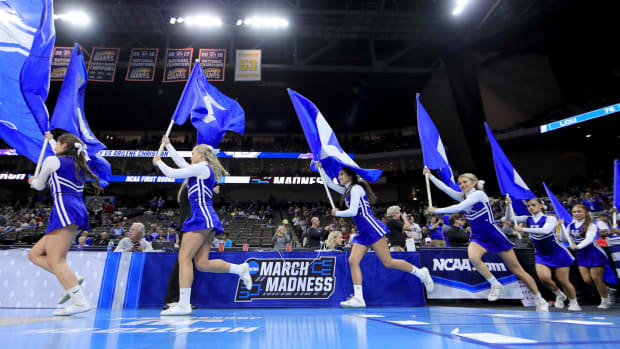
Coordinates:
543 75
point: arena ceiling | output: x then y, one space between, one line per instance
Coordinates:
361 62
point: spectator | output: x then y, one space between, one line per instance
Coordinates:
103 240
117 230
135 242
434 229
172 235
457 236
428 242
81 242
414 232
149 236
315 234
227 242
397 222
334 241
109 208
281 238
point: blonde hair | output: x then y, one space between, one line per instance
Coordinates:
478 184
209 153
181 189
330 243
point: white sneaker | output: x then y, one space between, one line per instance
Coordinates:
245 276
427 279
559 301
495 292
72 309
574 307
605 305
542 307
65 296
353 302
177 310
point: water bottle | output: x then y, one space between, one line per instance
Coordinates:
111 246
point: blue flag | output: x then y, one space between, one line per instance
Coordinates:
507 177
27 38
617 184
559 209
69 114
433 151
212 112
323 142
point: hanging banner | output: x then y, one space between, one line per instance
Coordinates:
248 65
60 62
213 63
142 64
102 64
178 63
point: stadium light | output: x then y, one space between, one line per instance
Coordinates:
74 17
199 21
264 22
460 6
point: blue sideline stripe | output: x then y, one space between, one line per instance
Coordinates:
108 281
472 288
134 281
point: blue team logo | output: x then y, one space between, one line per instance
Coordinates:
289 278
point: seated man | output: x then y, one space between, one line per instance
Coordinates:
135 242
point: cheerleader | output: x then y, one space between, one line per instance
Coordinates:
202 226
65 173
591 258
549 253
358 196
485 236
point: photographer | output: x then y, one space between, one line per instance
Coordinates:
397 223
135 242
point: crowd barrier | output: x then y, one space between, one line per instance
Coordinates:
281 279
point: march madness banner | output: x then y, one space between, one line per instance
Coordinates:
213 63
178 64
456 278
142 64
60 62
102 64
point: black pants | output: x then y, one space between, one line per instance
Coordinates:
172 290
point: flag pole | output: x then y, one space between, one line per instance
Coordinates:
563 230
428 190
329 195
614 221
161 146
38 168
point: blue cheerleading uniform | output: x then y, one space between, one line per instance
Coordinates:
589 253
199 192
549 252
66 190
369 228
478 211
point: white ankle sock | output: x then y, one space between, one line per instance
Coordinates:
417 272
604 300
573 302
559 293
357 291
235 269
185 294
539 298
77 295
493 281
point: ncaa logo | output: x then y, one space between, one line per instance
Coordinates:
254 268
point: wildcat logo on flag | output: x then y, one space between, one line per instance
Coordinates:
27 38
323 142
433 151
509 180
212 112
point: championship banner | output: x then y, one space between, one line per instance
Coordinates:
142 64
213 63
456 278
248 65
60 62
102 64
178 64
